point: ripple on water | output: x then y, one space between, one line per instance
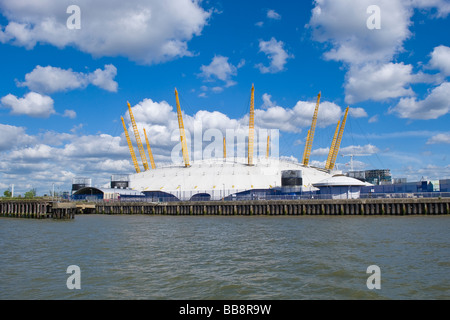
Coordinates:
153 257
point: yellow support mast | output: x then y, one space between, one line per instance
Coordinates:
182 132
268 147
251 133
308 145
130 146
138 139
338 142
333 143
150 154
224 148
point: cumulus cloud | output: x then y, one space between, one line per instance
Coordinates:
276 53
104 78
267 101
298 117
160 119
378 82
357 112
52 79
272 14
13 137
436 104
32 104
145 31
442 6
440 60
374 118
345 27
220 69
368 53
70 114
320 152
94 147
359 150
441 138
35 153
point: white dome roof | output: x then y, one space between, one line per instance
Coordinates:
339 180
231 176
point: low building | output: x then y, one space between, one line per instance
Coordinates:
106 194
340 187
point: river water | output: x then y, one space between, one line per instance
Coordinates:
225 258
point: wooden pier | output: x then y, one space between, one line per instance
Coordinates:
68 210
412 206
37 209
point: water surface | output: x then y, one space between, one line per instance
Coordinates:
211 257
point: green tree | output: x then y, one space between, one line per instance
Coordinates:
7 194
30 194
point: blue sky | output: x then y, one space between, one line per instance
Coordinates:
64 90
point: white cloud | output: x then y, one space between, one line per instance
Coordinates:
104 78
320 152
300 116
94 147
428 172
160 119
267 101
259 24
51 79
217 89
35 153
369 53
357 112
442 6
374 118
152 112
220 69
32 104
271 14
54 139
344 26
277 55
441 138
70 114
378 82
13 137
359 150
440 59
436 104
146 31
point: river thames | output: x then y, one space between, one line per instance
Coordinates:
226 258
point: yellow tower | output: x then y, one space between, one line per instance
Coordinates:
338 142
251 133
150 154
182 132
310 138
333 144
138 139
130 146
